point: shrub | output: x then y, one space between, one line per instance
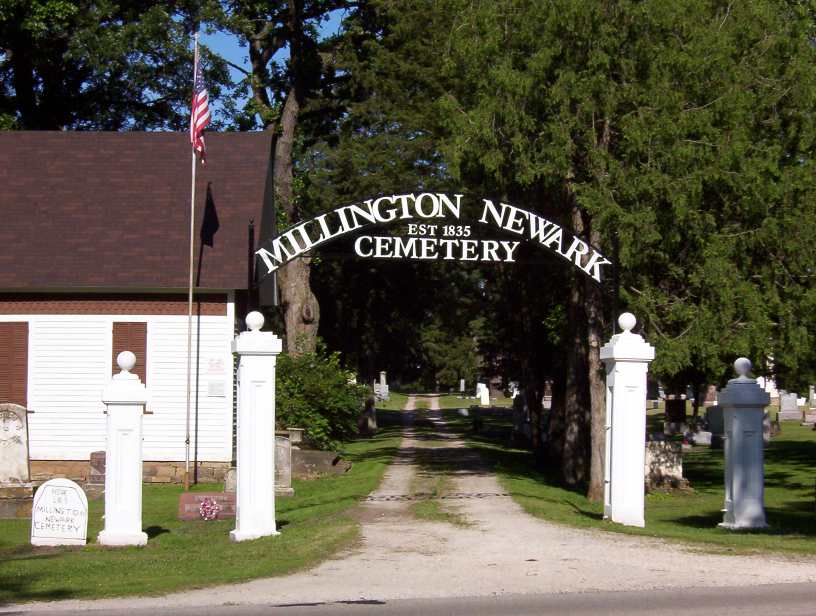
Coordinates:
315 393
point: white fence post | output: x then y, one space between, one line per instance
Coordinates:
255 485
125 398
626 357
743 402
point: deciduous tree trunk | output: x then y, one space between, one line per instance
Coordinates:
597 385
575 453
301 312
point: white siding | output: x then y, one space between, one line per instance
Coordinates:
167 380
70 364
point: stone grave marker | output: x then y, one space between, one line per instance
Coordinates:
283 465
367 422
789 408
381 391
710 398
461 387
231 479
812 398
60 514
15 477
95 485
190 505
483 393
716 425
664 465
283 475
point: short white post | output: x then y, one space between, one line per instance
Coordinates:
125 398
626 357
255 485
743 402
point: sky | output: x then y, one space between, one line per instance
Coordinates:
228 47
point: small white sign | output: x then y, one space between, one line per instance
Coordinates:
60 514
216 389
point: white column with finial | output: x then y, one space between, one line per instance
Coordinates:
125 398
626 357
255 485
743 402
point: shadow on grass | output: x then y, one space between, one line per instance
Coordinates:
155 531
15 590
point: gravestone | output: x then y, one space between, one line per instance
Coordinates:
521 421
190 505
676 409
812 398
483 393
60 514
701 437
283 465
461 387
283 470
789 408
230 479
664 465
95 485
381 391
295 436
367 422
766 429
513 389
15 476
716 425
710 398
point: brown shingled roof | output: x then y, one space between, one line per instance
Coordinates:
111 210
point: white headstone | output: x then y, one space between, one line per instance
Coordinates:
462 385
483 392
60 514
13 445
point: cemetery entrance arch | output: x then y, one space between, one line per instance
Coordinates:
434 225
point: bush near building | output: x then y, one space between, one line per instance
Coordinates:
316 393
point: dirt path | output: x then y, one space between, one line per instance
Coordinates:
502 550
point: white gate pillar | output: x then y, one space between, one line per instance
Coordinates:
626 357
743 402
125 398
255 485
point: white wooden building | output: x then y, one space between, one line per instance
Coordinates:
93 261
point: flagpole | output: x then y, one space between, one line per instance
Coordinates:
190 297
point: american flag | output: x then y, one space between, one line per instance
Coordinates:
200 114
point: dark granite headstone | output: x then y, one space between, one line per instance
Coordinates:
676 409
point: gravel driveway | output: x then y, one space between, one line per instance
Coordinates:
503 550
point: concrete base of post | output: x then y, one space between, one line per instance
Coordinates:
115 539
236 536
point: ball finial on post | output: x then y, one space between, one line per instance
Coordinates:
254 321
743 366
627 321
126 360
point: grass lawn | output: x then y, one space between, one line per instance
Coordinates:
453 401
396 402
790 502
314 524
